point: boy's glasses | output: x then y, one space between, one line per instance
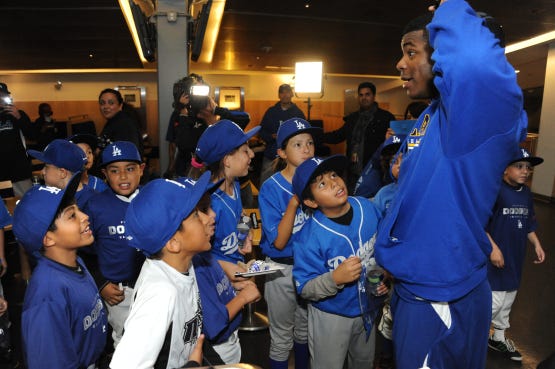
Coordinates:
521 166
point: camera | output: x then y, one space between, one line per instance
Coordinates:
5 101
198 98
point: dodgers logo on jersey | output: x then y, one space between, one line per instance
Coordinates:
229 244
96 312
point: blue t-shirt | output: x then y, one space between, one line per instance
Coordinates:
433 237
63 322
5 217
216 292
228 211
274 196
513 218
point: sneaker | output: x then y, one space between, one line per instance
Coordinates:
506 347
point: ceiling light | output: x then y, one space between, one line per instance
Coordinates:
544 38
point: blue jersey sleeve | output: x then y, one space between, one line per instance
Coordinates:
5 217
476 82
47 337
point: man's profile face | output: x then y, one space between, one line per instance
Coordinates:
366 98
415 65
285 96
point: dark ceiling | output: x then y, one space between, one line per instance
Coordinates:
350 36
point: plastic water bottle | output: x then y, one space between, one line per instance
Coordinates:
243 228
374 277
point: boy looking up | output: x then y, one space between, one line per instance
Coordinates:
168 223
118 264
63 319
332 256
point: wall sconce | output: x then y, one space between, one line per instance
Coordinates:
309 81
58 85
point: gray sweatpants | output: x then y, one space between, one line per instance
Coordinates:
288 318
332 338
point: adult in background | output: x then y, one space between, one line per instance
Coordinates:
283 110
364 130
45 129
119 125
15 165
433 238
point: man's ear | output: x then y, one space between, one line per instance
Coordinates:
310 203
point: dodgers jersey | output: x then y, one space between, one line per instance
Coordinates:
164 322
117 261
96 184
324 244
63 323
83 196
432 238
228 211
215 292
513 218
274 196
5 217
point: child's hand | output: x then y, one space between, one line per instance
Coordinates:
382 289
247 246
348 271
496 258
248 291
112 294
196 354
540 255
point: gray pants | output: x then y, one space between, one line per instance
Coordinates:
332 338
288 318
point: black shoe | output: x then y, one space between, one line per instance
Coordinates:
506 347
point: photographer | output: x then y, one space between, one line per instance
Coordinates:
15 165
193 112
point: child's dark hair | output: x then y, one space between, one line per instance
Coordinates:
216 169
52 227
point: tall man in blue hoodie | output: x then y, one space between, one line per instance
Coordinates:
433 240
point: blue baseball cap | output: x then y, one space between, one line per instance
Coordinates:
154 216
120 151
87 138
63 154
37 210
393 140
220 139
312 167
294 126
523 155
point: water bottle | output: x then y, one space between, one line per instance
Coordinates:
374 277
243 228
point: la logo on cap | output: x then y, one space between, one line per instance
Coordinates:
317 161
525 153
300 125
52 190
396 139
116 151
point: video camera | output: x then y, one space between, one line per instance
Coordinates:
5 101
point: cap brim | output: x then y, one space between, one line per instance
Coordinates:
39 155
337 163
252 132
315 132
533 160
69 192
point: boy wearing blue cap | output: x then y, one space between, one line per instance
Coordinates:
224 150
61 160
512 224
333 254
118 264
168 223
63 320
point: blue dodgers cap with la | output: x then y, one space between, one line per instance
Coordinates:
523 155
220 139
154 216
393 140
63 154
120 151
36 211
295 126
312 167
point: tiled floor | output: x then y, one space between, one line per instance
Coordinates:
532 318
